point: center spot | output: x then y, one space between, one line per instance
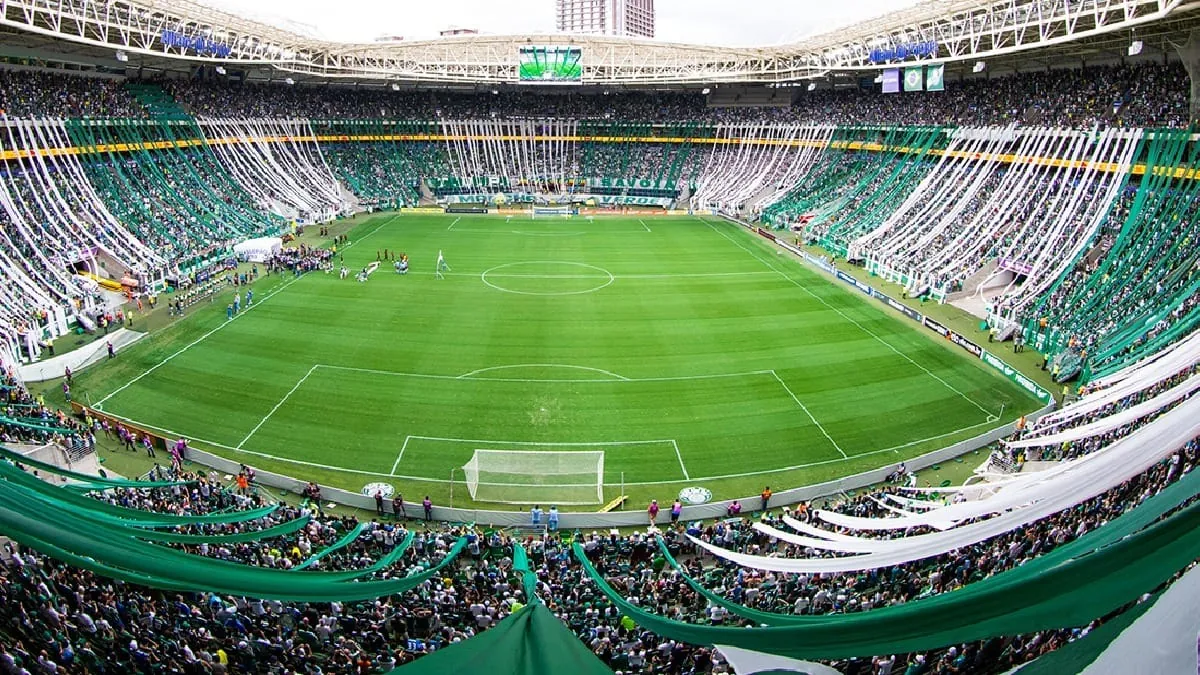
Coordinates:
547 277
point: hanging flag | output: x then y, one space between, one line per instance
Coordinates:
891 81
914 79
934 78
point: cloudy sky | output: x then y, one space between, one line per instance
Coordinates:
724 22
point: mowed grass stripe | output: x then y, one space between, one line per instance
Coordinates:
543 412
649 325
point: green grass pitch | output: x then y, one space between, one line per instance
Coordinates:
685 349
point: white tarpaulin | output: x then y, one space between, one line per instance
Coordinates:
747 662
1185 347
1077 481
1163 640
258 250
914 503
805 528
1106 424
1141 376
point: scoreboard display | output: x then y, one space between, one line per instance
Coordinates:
551 64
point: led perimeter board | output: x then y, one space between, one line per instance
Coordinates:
562 65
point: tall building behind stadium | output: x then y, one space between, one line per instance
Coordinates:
869 353
623 18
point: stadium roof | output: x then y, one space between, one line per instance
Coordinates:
167 33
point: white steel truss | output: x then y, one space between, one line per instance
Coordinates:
961 29
971 29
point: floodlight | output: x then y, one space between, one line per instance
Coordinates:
395 87
122 56
290 81
1135 47
220 70
812 86
704 91
979 66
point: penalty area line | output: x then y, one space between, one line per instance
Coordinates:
809 465
264 455
277 406
809 413
847 317
679 456
400 456
426 479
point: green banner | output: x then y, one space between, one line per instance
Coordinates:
914 79
631 183
935 78
1016 376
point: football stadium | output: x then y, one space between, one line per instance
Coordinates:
600 348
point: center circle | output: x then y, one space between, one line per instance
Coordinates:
547 277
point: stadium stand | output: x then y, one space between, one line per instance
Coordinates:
69 618
1145 95
1096 265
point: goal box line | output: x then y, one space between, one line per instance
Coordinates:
598 469
413 441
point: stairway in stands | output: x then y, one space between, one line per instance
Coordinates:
157 102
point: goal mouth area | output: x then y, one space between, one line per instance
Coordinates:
552 211
551 477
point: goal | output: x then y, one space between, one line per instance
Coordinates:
553 211
546 477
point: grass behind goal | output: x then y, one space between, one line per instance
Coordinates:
686 350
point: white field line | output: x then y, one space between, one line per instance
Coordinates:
400 456
684 275
277 406
453 223
611 374
195 342
382 225
644 224
679 456
536 444
806 412
678 378
549 234
808 465
568 444
288 460
561 233
425 479
240 314
861 327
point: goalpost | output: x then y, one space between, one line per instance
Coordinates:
547 477
553 211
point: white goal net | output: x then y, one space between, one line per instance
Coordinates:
552 212
546 477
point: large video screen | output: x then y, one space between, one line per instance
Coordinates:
563 65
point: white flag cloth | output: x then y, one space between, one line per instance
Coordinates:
1116 421
1078 481
1135 378
747 662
